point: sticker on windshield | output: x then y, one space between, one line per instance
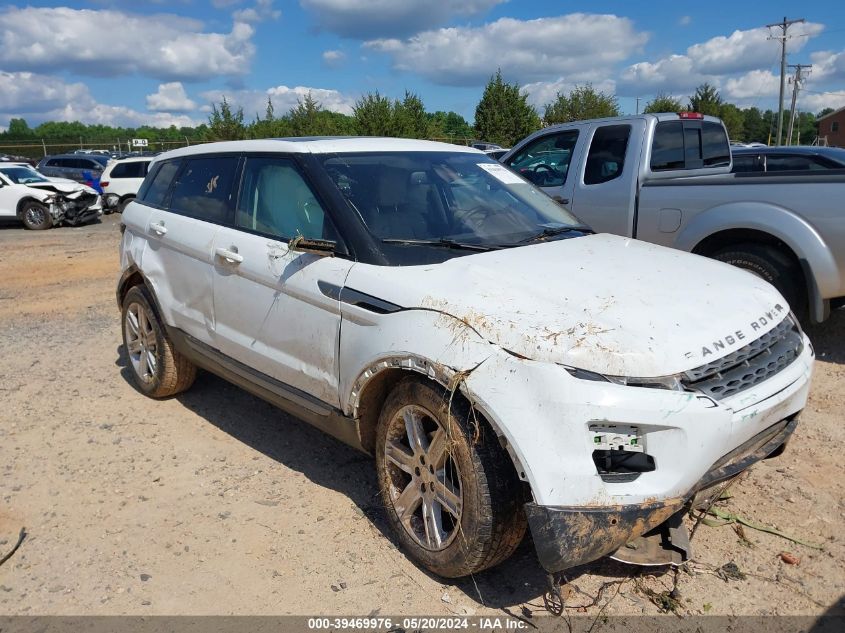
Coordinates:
502 173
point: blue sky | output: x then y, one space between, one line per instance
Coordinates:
162 62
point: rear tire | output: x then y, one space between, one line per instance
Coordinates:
122 204
158 370
454 503
35 216
772 265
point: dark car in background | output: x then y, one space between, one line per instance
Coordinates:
84 168
791 158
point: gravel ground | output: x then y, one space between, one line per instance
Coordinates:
214 502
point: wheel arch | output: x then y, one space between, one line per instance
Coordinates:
374 383
24 200
771 225
130 278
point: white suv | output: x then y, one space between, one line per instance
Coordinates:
504 365
121 180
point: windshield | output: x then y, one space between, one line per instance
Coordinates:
21 175
453 196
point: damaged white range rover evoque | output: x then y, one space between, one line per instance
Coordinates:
505 366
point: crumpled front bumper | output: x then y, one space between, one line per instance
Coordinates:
565 537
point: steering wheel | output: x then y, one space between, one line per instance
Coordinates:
543 172
472 217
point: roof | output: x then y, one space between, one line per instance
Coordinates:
831 113
319 145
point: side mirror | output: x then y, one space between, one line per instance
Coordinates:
323 248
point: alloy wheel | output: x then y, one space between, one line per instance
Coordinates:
141 343
425 484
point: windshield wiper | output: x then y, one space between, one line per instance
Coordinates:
442 243
556 230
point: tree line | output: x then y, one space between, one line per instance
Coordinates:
503 115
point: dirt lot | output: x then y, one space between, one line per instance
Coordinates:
215 502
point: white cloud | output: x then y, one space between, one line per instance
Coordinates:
541 93
46 98
170 97
364 19
816 102
752 86
711 61
685 20
254 102
582 46
333 58
263 10
167 47
828 65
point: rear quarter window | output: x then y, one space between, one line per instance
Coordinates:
155 187
689 145
129 170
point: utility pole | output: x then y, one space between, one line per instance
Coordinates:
796 86
638 105
784 27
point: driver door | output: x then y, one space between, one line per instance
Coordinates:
546 161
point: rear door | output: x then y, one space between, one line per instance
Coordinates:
192 198
272 310
605 191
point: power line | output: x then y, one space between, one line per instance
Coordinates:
784 27
796 86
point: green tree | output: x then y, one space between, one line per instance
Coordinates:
373 115
268 126
409 117
448 126
225 124
504 115
19 129
583 102
824 112
734 121
305 118
706 100
663 103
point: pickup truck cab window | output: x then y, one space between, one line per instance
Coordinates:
204 188
545 162
606 157
689 144
277 201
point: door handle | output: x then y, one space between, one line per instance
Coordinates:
229 254
560 199
159 228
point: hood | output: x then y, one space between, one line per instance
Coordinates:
603 303
63 186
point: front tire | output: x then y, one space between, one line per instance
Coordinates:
772 265
36 216
158 370
448 487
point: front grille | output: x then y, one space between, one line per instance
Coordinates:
758 361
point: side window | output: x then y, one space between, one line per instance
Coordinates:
545 161
129 170
715 147
155 188
745 163
667 149
203 188
119 171
791 163
53 162
606 157
277 201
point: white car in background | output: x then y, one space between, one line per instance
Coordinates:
41 202
121 180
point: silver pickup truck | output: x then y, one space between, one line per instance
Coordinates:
664 178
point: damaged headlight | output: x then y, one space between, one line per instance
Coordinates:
673 383
50 199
